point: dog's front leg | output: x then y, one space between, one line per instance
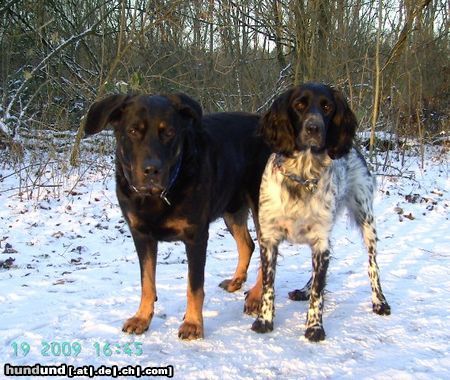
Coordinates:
192 326
314 328
146 249
264 322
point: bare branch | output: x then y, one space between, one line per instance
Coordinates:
62 46
401 42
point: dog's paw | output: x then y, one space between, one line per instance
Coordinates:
136 325
232 285
299 295
252 303
381 308
190 331
262 326
315 333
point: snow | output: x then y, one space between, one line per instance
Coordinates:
74 277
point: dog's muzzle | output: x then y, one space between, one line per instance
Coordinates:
313 132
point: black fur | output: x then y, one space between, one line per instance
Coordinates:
176 172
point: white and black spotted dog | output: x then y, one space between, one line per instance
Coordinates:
313 174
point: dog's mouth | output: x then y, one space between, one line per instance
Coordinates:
152 183
315 145
152 189
147 188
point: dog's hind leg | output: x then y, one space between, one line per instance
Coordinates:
379 303
253 296
361 210
237 225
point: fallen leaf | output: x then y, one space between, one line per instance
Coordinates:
409 216
412 198
58 234
9 249
62 281
8 263
398 210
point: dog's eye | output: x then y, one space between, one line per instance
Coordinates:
167 133
132 131
327 108
301 104
135 130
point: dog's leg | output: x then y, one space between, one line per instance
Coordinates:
237 225
302 294
360 206
320 259
146 249
192 326
264 321
379 303
253 296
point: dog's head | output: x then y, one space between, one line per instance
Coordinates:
311 116
150 134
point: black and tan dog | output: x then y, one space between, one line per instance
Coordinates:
177 171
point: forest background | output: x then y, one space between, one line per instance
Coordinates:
391 59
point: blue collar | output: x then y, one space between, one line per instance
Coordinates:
172 178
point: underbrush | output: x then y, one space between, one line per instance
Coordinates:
42 168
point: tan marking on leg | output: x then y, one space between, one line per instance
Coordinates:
253 297
133 220
141 320
192 327
245 247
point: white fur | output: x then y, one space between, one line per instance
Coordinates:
312 215
290 211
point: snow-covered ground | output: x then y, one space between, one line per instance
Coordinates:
69 274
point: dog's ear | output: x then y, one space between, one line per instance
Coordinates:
108 110
276 127
187 107
341 133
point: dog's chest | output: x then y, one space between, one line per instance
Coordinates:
153 220
301 220
290 211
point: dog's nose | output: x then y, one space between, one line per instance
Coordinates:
312 129
151 170
151 167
